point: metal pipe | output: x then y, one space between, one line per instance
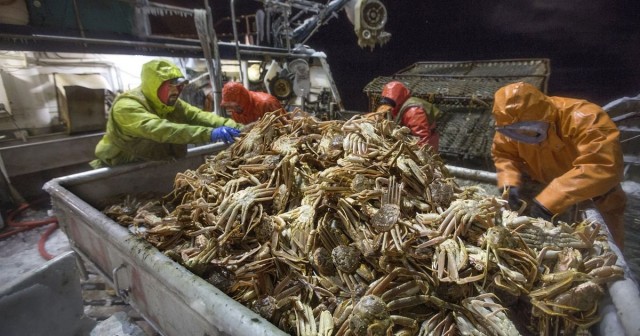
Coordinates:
624 293
244 49
243 70
472 174
140 44
303 32
235 35
310 6
76 11
466 76
217 65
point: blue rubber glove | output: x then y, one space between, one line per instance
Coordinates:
225 134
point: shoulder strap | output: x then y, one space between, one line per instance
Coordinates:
433 113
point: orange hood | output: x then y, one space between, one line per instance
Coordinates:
521 102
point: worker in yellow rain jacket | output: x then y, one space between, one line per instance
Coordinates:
569 145
246 106
150 122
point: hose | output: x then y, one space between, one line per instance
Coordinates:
28 225
43 241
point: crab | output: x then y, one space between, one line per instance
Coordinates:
577 305
441 192
539 234
273 305
298 224
352 228
287 144
395 131
280 199
260 135
573 294
353 223
307 325
322 261
438 324
451 256
361 183
398 290
385 219
568 258
364 127
354 144
458 218
331 143
490 315
351 268
240 204
517 264
301 220
252 279
412 175
285 171
235 185
260 165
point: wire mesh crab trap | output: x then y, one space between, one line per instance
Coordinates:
464 92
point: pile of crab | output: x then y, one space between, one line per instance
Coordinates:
351 227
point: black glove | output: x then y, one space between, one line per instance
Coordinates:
514 198
539 211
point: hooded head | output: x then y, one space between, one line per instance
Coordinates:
521 102
154 74
394 94
235 97
522 112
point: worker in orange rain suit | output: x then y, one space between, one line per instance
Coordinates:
569 145
246 106
150 123
415 113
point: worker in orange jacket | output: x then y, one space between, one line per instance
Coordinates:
415 113
246 106
569 145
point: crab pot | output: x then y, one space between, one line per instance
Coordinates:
463 91
172 299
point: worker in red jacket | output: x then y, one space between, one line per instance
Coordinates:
415 113
246 106
569 145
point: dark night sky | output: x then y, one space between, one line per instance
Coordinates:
593 45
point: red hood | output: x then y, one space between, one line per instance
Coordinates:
397 92
237 93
